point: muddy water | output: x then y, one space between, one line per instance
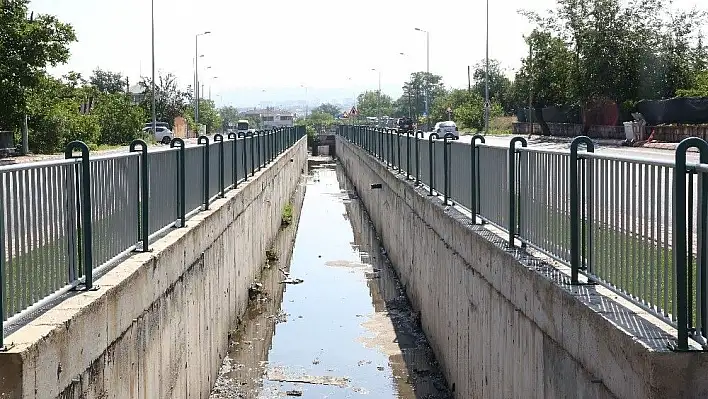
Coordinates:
330 321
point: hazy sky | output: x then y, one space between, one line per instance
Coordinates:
282 44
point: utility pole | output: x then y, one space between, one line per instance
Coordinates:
486 79
196 76
530 88
469 81
378 96
427 76
154 112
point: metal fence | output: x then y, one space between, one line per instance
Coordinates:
62 223
637 226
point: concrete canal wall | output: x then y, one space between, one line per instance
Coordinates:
157 327
504 324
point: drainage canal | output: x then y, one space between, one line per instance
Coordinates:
328 317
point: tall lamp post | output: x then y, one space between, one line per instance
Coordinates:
152 22
378 97
196 75
212 79
427 70
486 79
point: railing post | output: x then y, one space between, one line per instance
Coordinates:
204 140
575 244
512 186
218 138
3 348
252 135
143 220
181 179
234 161
398 150
380 135
86 233
417 155
259 145
474 175
680 237
408 155
390 148
431 137
446 166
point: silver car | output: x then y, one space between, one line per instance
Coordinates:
443 128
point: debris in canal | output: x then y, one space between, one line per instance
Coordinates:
292 281
255 291
279 374
271 256
294 393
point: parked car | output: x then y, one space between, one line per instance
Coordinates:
443 128
162 134
405 125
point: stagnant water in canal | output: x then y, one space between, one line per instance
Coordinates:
328 318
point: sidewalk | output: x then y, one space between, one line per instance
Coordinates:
13 160
659 145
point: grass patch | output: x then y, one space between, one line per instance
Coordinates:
287 218
501 125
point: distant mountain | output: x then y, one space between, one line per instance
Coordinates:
294 97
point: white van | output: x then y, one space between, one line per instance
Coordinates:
242 127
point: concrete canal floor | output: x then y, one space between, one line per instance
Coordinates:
329 319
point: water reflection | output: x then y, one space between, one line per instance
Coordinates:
347 329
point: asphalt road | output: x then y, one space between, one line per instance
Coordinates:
653 154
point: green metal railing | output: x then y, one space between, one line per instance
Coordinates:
635 225
65 223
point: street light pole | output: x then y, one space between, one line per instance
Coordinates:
196 76
486 79
154 112
378 97
427 71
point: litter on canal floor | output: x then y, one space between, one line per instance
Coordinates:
328 318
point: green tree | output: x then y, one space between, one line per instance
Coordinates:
108 82
467 109
27 45
699 87
499 84
370 104
229 116
120 120
209 116
170 101
548 75
417 85
54 118
327 109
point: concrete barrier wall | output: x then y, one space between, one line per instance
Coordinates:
158 325
506 325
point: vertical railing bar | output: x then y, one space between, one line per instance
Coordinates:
143 219
87 252
204 141
181 180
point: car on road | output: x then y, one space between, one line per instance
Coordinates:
405 125
443 128
162 134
